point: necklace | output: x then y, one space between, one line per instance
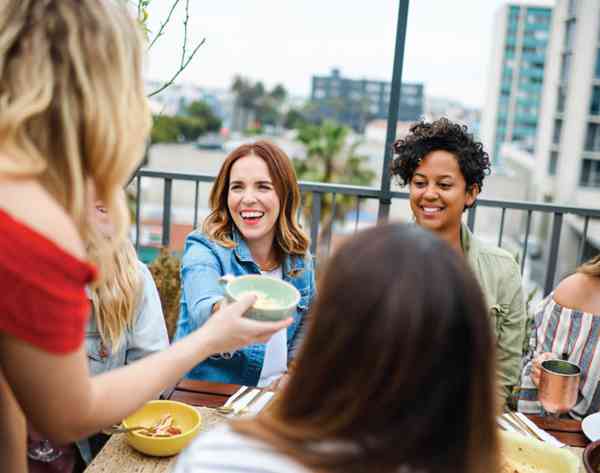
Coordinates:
268 267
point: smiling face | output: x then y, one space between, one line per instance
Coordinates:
438 193
252 200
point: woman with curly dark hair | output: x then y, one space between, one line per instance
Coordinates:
444 168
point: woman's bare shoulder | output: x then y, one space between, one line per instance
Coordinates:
28 202
579 291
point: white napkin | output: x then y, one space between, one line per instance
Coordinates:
256 406
542 433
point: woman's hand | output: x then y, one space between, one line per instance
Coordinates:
536 366
279 383
227 330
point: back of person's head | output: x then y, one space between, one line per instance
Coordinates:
591 267
289 235
397 366
72 104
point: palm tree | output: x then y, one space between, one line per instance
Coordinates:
330 158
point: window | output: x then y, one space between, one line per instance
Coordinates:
553 163
560 105
595 103
572 8
597 74
569 34
564 67
319 94
590 173
592 137
557 131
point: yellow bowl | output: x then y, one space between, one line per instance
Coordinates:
185 417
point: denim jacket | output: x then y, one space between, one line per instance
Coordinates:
148 335
204 262
500 280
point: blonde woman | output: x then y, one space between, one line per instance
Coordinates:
127 322
73 118
252 229
567 325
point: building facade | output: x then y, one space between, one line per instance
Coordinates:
515 76
355 102
568 144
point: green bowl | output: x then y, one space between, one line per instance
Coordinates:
282 296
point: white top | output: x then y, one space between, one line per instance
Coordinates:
223 451
275 362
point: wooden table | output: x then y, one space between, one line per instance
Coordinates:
118 456
566 430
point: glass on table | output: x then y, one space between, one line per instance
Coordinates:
40 448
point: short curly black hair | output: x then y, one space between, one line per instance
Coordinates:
445 135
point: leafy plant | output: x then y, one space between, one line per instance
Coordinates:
165 270
330 158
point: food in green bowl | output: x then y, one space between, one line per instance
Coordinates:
276 299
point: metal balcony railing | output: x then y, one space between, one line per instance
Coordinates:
362 194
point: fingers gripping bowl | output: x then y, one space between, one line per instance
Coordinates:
276 299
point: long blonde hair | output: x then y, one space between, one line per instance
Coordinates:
290 238
591 267
72 103
117 297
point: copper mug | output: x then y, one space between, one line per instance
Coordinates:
559 385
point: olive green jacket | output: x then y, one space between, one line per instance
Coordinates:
500 280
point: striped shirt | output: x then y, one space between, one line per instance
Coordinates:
570 334
225 451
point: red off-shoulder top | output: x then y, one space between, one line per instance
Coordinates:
42 289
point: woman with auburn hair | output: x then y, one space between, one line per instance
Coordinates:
396 373
252 229
73 124
567 326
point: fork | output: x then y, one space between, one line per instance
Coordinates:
521 426
226 408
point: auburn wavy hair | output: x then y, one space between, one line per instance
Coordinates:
289 236
72 106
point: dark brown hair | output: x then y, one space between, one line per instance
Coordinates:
445 135
289 236
397 368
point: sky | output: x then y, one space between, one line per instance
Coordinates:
448 42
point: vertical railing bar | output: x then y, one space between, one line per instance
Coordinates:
196 193
301 206
138 212
332 223
501 227
166 223
392 119
583 241
357 213
471 218
527 229
314 223
552 257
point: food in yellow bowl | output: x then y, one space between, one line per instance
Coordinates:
167 416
